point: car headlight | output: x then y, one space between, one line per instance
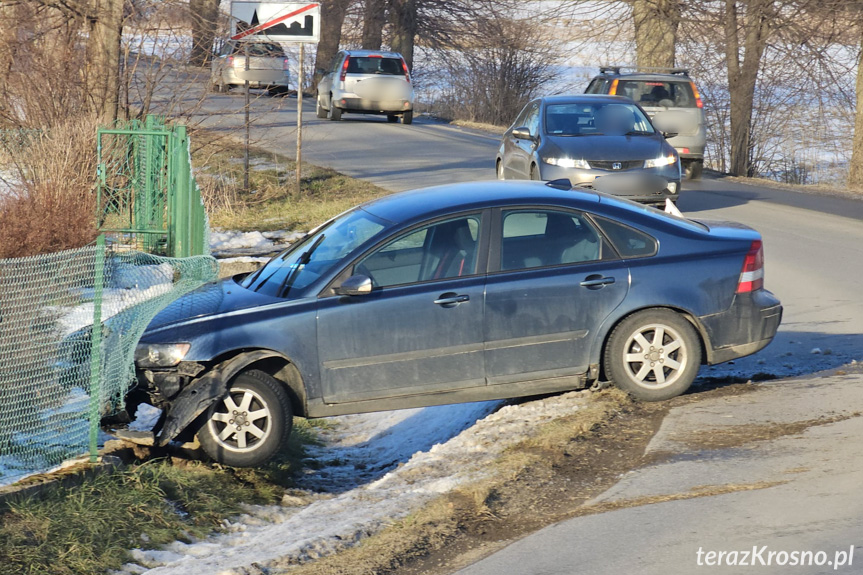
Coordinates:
567 163
160 354
660 161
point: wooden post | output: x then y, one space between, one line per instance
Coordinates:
300 81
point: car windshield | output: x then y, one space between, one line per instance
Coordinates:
375 65
655 93
596 119
315 255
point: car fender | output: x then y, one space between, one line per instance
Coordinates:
204 391
602 334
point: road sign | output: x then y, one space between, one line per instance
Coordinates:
276 22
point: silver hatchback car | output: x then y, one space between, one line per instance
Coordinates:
673 103
366 82
268 67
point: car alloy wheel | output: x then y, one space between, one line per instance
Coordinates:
654 355
249 425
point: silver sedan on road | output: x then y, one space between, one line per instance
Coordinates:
581 138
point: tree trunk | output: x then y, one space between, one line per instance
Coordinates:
743 74
855 174
656 23
205 23
403 14
374 18
102 69
332 18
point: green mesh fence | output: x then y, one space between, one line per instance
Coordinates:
58 375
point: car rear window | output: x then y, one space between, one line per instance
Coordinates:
375 65
267 50
650 93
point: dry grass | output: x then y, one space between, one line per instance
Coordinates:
49 204
440 522
272 201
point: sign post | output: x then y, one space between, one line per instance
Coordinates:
278 22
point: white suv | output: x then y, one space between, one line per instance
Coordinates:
366 82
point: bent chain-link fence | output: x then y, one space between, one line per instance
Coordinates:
58 376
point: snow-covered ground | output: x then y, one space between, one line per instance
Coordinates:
376 469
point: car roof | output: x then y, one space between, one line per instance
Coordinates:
679 75
426 203
383 53
583 99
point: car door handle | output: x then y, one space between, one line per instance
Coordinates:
451 299
596 281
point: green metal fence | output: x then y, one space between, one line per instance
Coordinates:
147 196
58 375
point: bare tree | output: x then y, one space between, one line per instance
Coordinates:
205 24
656 23
403 16
374 19
332 18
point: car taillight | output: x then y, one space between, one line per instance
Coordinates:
230 61
285 65
752 275
344 70
698 101
407 73
613 90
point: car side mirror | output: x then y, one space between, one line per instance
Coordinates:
522 133
355 285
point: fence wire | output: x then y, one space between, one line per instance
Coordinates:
56 379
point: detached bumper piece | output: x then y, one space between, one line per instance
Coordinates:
747 327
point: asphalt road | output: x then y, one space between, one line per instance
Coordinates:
794 492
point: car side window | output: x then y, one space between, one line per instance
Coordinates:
541 238
336 66
629 242
443 250
596 86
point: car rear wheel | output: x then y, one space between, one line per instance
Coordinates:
335 112
219 88
499 170
248 426
408 117
693 169
653 355
534 172
320 112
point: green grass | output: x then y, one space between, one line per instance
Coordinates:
90 528
272 201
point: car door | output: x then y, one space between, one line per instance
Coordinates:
420 330
325 85
552 282
517 151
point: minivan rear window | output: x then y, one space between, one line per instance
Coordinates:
375 65
651 93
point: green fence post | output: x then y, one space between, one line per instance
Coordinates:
96 349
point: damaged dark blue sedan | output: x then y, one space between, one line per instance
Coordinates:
451 294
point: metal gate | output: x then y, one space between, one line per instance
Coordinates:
147 197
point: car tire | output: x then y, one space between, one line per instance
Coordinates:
266 419
694 169
408 117
534 172
653 355
499 170
219 88
392 118
320 111
335 112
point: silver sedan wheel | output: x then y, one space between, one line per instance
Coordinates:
242 421
655 356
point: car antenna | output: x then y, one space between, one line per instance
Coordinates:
560 184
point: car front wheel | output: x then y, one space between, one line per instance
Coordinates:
247 427
653 355
499 170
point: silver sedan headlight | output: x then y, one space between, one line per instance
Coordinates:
568 162
160 354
